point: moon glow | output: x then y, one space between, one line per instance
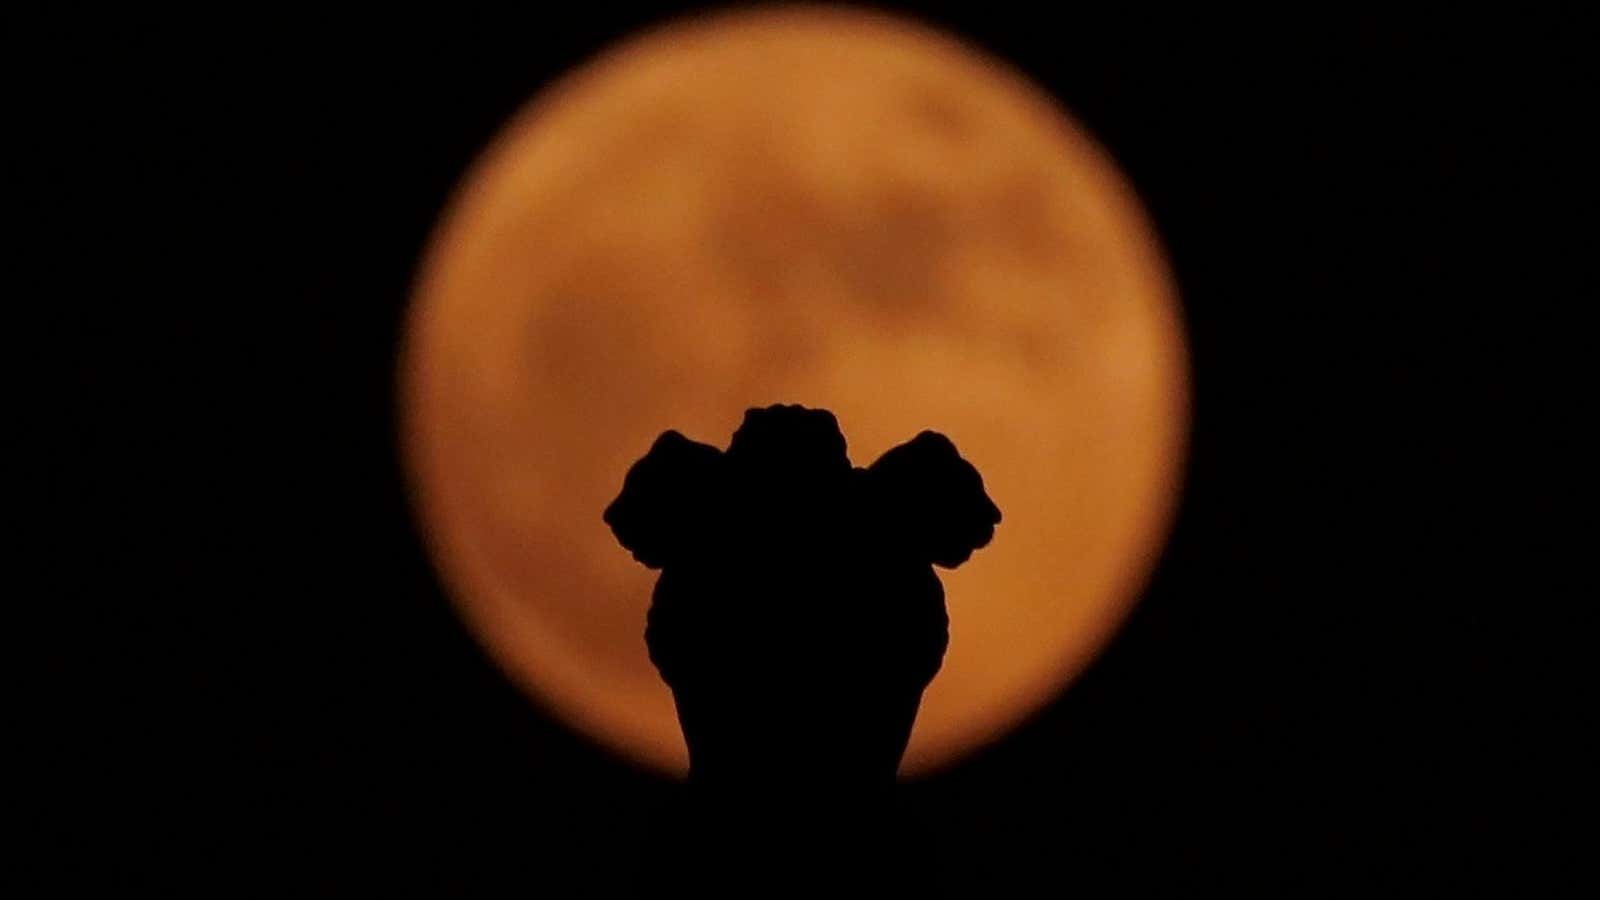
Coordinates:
837 209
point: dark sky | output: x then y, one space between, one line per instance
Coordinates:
252 680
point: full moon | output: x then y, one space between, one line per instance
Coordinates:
832 208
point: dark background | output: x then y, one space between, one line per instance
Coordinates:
252 682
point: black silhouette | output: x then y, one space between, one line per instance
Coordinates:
797 617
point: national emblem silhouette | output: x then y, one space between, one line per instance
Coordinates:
797 617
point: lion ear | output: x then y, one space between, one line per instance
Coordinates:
665 499
933 499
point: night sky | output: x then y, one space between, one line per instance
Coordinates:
253 681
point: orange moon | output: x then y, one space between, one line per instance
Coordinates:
832 208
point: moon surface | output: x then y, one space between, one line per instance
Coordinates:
832 208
